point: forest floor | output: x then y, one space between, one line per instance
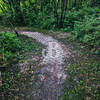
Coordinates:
52 73
44 76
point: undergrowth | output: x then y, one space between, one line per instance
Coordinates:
12 47
83 81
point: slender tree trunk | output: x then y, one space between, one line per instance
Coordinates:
41 5
63 11
55 12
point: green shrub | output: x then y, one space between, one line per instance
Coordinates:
73 16
29 16
9 47
88 31
48 23
70 18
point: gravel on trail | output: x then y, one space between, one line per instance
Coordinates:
52 74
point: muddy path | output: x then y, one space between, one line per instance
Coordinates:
51 76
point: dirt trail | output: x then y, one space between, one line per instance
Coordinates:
52 76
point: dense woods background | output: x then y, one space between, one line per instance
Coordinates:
82 17
79 18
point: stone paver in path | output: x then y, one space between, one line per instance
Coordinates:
51 76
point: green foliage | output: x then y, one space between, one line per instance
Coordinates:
10 42
49 14
9 46
82 81
30 17
74 15
29 44
48 23
12 47
70 18
88 30
85 24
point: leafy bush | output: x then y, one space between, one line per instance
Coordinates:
29 16
48 23
85 23
70 19
88 31
9 47
74 15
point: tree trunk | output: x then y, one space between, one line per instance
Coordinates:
55 12
62 15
